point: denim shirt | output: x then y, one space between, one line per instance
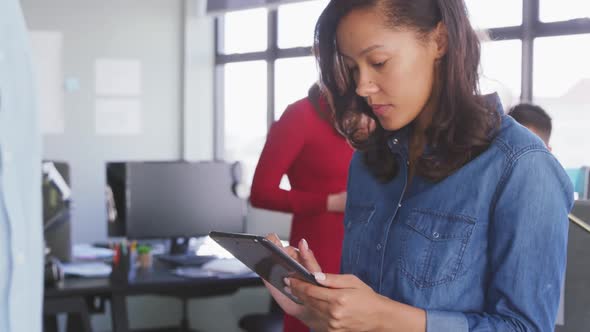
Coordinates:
482 250
21 240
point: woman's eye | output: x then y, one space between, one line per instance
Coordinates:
379 64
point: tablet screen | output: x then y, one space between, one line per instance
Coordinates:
263 257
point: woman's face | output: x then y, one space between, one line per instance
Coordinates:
394 69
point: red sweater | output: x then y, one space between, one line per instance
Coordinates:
315 158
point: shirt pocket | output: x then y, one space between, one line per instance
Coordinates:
433 244
356 221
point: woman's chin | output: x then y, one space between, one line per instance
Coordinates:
391 125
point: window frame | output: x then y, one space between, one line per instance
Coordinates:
530 29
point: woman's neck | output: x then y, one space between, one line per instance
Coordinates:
418 138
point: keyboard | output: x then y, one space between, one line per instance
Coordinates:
185 260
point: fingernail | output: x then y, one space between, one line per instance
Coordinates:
287 290
304 245
287 281
319 276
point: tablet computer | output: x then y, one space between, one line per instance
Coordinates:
269 261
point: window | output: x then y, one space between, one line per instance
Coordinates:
244 58
245 31
501 70
561 87
493 14
294 77
302 15
245 113
563 10
251 48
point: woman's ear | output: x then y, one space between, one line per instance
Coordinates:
441 38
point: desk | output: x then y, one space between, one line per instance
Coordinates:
158 281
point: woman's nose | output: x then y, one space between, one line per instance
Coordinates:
365 87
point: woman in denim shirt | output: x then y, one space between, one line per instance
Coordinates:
456 217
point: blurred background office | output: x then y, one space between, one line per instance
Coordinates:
197 80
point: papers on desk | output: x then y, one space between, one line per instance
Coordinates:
217 268
226 265
89 252
193 272
87 269
206 246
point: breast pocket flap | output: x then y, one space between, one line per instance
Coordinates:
437 226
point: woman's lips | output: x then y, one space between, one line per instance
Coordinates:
380 110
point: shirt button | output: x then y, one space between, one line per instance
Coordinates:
399 205
378 246
435 235
395 141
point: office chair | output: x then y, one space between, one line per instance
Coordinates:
269 322
577 275
78 318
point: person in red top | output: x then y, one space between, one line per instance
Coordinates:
304 144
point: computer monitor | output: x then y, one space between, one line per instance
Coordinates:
56 195
116 202
173 199
580 177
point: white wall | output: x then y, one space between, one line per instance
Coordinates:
144 30
177 121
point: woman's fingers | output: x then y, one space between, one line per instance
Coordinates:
292 252
307 258
284 302
274 238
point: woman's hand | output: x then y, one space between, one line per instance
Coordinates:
307 260
336 202
345 304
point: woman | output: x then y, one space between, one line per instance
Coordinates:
456 217
305 145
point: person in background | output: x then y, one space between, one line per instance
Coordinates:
456 216
21 239
535 119
304 144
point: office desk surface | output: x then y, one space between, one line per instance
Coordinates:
79 286
160 281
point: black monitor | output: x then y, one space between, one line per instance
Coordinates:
56 195
173 199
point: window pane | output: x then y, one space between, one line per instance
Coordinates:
563 10
245 113
501 70
245 31
297 23
293 78
492 14
562 87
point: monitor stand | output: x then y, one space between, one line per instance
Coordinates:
179 245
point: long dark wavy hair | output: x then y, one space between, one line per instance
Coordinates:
463 124
316 97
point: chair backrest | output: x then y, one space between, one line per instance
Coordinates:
576 297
